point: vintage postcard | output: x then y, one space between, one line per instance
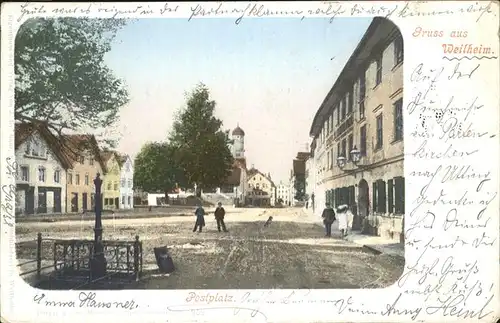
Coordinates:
250 161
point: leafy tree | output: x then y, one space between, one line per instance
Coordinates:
155 168
300 187
202 145
60 74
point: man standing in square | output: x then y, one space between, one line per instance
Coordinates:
219 217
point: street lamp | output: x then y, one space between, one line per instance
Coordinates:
98 261
355 155
341 162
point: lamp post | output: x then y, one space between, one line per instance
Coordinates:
98 261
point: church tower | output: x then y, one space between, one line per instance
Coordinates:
238 137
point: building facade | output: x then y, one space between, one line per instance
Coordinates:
83 151
111 182
126 182
261 189
283 194
357 135
41 171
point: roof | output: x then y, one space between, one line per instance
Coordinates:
234 178
76 144
106 155
240 162
122 158
378 30
303 155
22 131
299 167
254 171
238 131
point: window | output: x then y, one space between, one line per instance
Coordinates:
123 199
338 113
91 161
399 195
109 186
343 112
378 75
343 148
77 179
86 179
350 145
349 102
105 201
115 186
70 179
339 153
35 149
380 133
122 182
129 200
398 120
25 171
362 94
328 160
28 148
57 176
41 174
398 50
331 161
82 159
362 140
390 196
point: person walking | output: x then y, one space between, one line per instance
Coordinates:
219 217
343 214
200 218
328 219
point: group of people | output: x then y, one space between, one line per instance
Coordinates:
219 218
329 216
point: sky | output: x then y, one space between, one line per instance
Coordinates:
268 75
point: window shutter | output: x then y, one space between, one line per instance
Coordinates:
374 196
390 196
400 195
383 199
334 197
352 195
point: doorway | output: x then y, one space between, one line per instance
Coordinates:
84 201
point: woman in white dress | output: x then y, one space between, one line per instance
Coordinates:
343 218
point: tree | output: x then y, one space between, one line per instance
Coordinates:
300 186
203 148
155 168
60 74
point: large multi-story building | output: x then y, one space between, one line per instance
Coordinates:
283 194
41 170
83 150
126 182
358 134
261 189
111 182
